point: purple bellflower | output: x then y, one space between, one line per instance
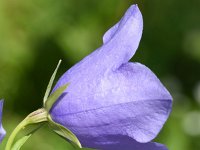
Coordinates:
113 104
2 131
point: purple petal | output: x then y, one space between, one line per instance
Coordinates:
99 63
122 40
110 33
115 52
129 26
2 131
130 101
119 142
108 96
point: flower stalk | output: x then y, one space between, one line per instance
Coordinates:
35 117
43 115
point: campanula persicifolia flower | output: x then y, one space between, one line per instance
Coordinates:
2 131
112 103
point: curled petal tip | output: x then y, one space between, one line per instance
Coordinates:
133 12
122 40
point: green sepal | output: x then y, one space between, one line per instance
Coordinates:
64 132
33 122
51 83
20 142
54 96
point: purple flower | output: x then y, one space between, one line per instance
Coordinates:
2 131
112 103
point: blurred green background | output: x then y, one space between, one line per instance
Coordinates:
35 34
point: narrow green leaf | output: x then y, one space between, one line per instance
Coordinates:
54 96
32 129
20 142
51 83
64 132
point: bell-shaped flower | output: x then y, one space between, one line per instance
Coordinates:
111 103
2 131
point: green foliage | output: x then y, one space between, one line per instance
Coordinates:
64 133
20 142
54 97
49 87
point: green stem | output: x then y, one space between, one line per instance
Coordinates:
37 116
20 126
